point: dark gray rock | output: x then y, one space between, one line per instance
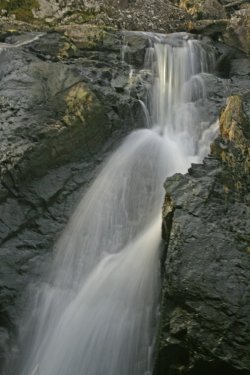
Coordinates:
61 114
205 311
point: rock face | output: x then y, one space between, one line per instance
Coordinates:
206 9
226 20
59 94
237 33
205 320
62 111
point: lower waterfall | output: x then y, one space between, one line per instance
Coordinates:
96 315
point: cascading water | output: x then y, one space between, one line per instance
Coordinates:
96 315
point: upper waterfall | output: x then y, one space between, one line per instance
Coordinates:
96 313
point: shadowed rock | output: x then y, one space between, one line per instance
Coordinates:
60 115
206 298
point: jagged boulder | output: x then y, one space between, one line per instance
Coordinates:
205 310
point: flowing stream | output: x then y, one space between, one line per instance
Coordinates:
96 315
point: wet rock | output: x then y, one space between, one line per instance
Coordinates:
212 28
62 112
55 99
206 297
240 66
134 49
233 67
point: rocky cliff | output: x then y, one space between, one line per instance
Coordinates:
66 101
205 316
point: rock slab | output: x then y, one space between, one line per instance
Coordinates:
205 311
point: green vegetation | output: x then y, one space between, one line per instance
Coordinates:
22 9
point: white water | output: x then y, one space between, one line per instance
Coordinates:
96 315
27 39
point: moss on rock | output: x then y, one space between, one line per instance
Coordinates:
234 147
85 113
203 9
21 9
234 127
84 36
81 104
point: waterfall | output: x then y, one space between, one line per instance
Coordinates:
96 315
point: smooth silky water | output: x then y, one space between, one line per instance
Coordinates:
96 314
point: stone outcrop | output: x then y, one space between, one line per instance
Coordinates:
58 92
237 33
205 318
205 9
62 111
224 20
